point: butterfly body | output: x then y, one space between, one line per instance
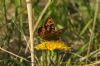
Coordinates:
48 32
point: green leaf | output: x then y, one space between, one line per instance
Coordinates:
85 27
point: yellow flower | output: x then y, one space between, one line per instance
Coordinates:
53 45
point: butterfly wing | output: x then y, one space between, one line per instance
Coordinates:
59 32
55 35
48 32
47 28
49 25
41 32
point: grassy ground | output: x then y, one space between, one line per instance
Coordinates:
80 18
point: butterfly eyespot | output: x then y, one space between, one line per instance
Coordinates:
48 32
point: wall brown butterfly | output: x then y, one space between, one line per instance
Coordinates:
48 32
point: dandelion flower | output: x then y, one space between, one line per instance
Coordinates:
53 45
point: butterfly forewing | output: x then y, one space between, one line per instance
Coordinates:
49 25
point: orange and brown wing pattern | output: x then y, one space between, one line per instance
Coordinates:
49 25
48 32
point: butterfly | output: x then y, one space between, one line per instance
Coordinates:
48 31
